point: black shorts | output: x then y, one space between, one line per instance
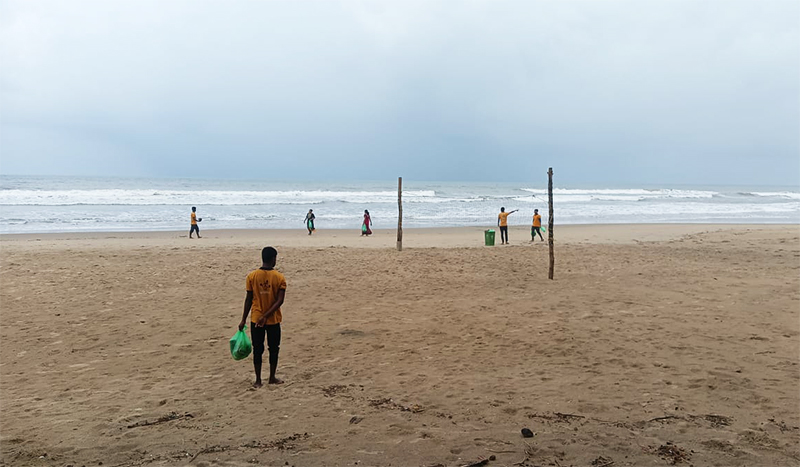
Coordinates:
194 228
272 333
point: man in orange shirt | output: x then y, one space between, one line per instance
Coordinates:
266 289
537 225
195 220
502 222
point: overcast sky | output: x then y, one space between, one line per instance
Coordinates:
603 91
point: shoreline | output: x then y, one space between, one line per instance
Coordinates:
425 237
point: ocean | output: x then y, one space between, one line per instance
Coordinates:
30 204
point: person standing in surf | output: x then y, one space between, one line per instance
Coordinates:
365 226
195 220
310 221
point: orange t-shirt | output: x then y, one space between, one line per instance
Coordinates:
503 216
537 220
265 285
194 219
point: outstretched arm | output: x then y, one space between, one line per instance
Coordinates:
515 210
248 303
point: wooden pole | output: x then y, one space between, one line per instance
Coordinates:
399 213
550 221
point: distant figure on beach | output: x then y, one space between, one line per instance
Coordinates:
537 225
310 221
365 226
502 222
266 289
195 220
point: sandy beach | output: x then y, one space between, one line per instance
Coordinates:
654 345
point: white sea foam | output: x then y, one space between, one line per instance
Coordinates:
778 194
43 205
578 195
116 197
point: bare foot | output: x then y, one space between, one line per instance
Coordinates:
275 381
257 384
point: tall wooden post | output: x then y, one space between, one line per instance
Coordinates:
399 213
550 221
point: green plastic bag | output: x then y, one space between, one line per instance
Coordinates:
543 229
240 345
363 228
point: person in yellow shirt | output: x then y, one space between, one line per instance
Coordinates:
537 225
195 220
266 289
502 222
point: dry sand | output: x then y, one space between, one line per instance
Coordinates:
655 344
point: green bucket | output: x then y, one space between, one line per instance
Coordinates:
488 237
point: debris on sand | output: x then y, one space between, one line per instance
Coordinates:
334 390
718 420
163 419
281 444
602 461
388 403
557 417
478 463
672 453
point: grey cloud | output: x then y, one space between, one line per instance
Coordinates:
656 91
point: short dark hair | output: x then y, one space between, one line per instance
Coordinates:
503 209
194 208
268 254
